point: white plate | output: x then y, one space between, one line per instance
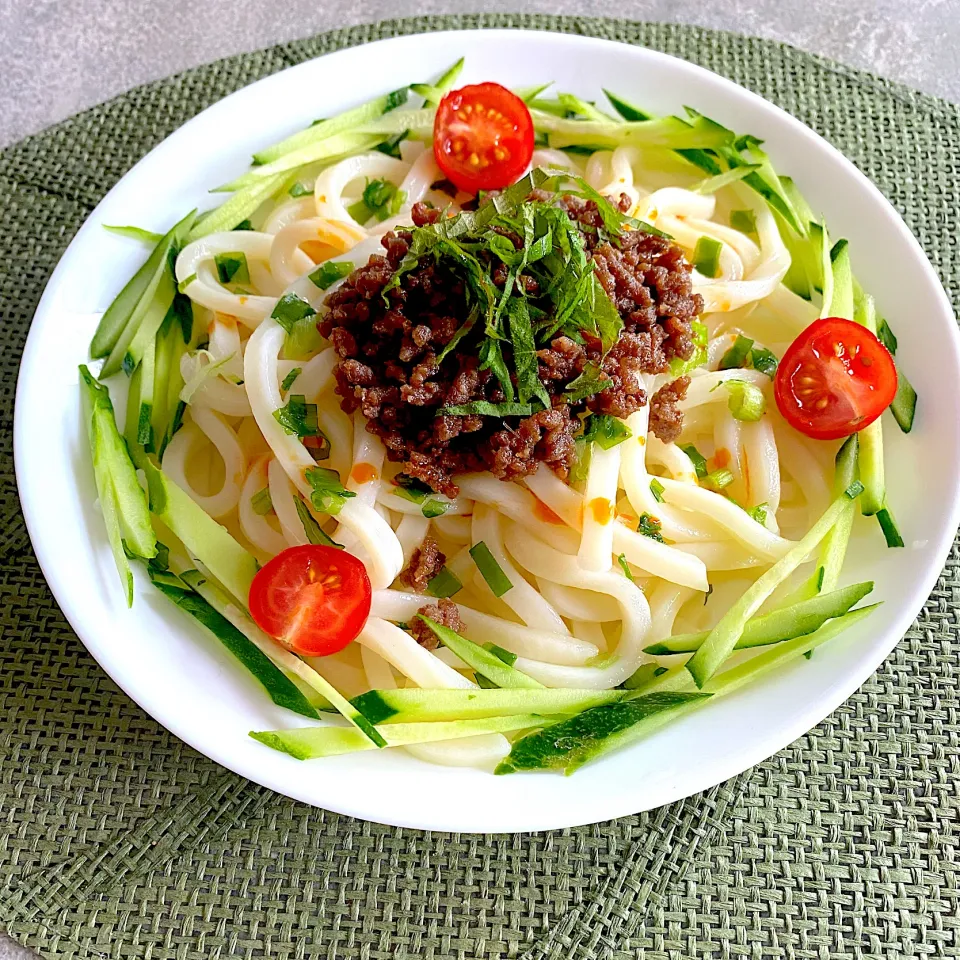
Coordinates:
192 686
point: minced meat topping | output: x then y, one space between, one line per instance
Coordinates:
391 320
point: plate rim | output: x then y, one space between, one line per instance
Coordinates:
747 756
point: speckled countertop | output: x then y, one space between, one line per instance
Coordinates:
60 56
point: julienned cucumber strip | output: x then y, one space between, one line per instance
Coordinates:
724 636
489 664
153 318
333 148
573 104
418 704
572 743
341 123
225 605
282 691
115 318
796 620
904 406
147 383
871 436
678 680
311 743
203 537
669 132
840 303
889 527
237 209
433 93
120 328
137 529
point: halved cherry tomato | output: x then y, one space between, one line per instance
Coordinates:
835 379
313 599
482 137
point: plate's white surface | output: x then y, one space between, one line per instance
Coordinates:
193 687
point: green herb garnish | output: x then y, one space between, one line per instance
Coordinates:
299 417
605 430
650 527
625 567
328 494
737 355
290 309
232 267
290 379
444 584
657 488
327 274
312 530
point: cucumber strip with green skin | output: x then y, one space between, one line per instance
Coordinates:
132 419
203 537
840 303
281 690
147 381
417 124
626 110
433 93
116 316
489 664
573 104
678 680
341 123
130 498
871 436
888 525
335 147
134 233
724 636
834 550
161 374
826 266
571 743
721 180
311 743
644 674
289 663
160 260
411 704
105 494
669 132
785 623
904 406
237 209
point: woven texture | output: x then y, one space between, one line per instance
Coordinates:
118 840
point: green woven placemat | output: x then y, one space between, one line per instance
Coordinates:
118 840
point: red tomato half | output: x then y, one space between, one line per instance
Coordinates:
482 137
835 379
313 599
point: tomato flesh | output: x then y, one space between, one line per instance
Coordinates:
835 379
312 599
482 137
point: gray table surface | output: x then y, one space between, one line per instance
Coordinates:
60 56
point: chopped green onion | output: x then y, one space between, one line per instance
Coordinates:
313 531
746 400
232 267
737 355
434 508
183 284
625 567
261 502
678 367
744 220
490 570
244 225
764 361
329 494
300 190
290 379
444 584
605 430
299 417
657 488
718 479
698 459
650 527
410 488
329 273
381 199
706 256
759 513
289 309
